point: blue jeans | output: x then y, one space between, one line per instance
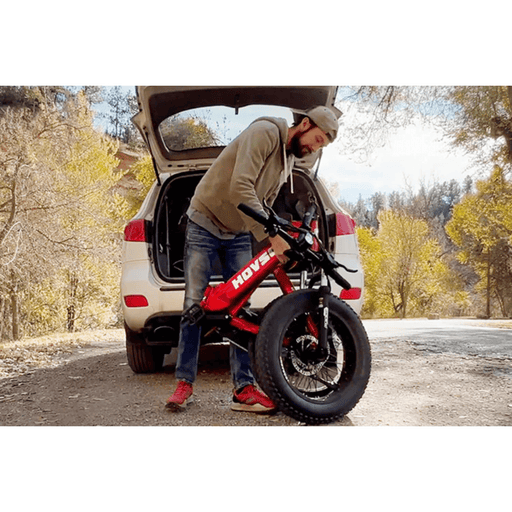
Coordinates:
201 251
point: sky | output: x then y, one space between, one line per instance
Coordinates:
411 156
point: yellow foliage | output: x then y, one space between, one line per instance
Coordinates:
404 273
144 172
481 227
66 264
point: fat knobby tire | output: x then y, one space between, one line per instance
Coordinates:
268 367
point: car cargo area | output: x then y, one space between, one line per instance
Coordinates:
168 237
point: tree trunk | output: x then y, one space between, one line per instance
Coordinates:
70 324
15 318
488 305
403 291
73 284
2 307
14 308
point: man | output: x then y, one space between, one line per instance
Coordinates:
252 168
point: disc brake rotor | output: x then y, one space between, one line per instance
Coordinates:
303 355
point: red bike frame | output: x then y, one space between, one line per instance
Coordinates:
230 297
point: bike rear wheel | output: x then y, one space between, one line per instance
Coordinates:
307 384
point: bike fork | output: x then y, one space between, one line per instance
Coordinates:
323 309
321 330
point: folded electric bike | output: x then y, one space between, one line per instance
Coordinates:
309 350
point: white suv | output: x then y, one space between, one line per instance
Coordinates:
185 129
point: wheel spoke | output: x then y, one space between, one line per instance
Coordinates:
306 371
324 382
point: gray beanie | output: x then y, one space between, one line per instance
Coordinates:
325 119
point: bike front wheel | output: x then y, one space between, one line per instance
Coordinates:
309 384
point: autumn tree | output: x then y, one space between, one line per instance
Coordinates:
93 218
402 239
188 132
372 259
480 115
58 217
24 123
404 272
122 105
481 228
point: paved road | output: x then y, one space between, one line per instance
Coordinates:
483 338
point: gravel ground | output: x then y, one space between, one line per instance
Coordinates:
88 383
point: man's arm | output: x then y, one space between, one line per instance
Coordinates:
255 146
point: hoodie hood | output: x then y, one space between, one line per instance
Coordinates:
288 160
282 124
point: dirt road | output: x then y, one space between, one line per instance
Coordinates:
409 386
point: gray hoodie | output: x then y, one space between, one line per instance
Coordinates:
251 168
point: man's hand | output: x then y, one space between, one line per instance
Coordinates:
279 246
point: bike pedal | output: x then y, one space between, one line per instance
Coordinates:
194 314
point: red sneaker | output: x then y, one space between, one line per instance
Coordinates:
181 397
251 399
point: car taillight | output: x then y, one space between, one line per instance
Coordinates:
135 301
352 294
345 225
135 231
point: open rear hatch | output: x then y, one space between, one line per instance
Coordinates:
160 103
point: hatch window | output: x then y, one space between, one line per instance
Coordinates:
213 126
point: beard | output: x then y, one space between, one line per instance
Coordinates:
296 147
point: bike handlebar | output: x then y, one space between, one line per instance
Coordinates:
275 223
257 216
341 281
330 270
